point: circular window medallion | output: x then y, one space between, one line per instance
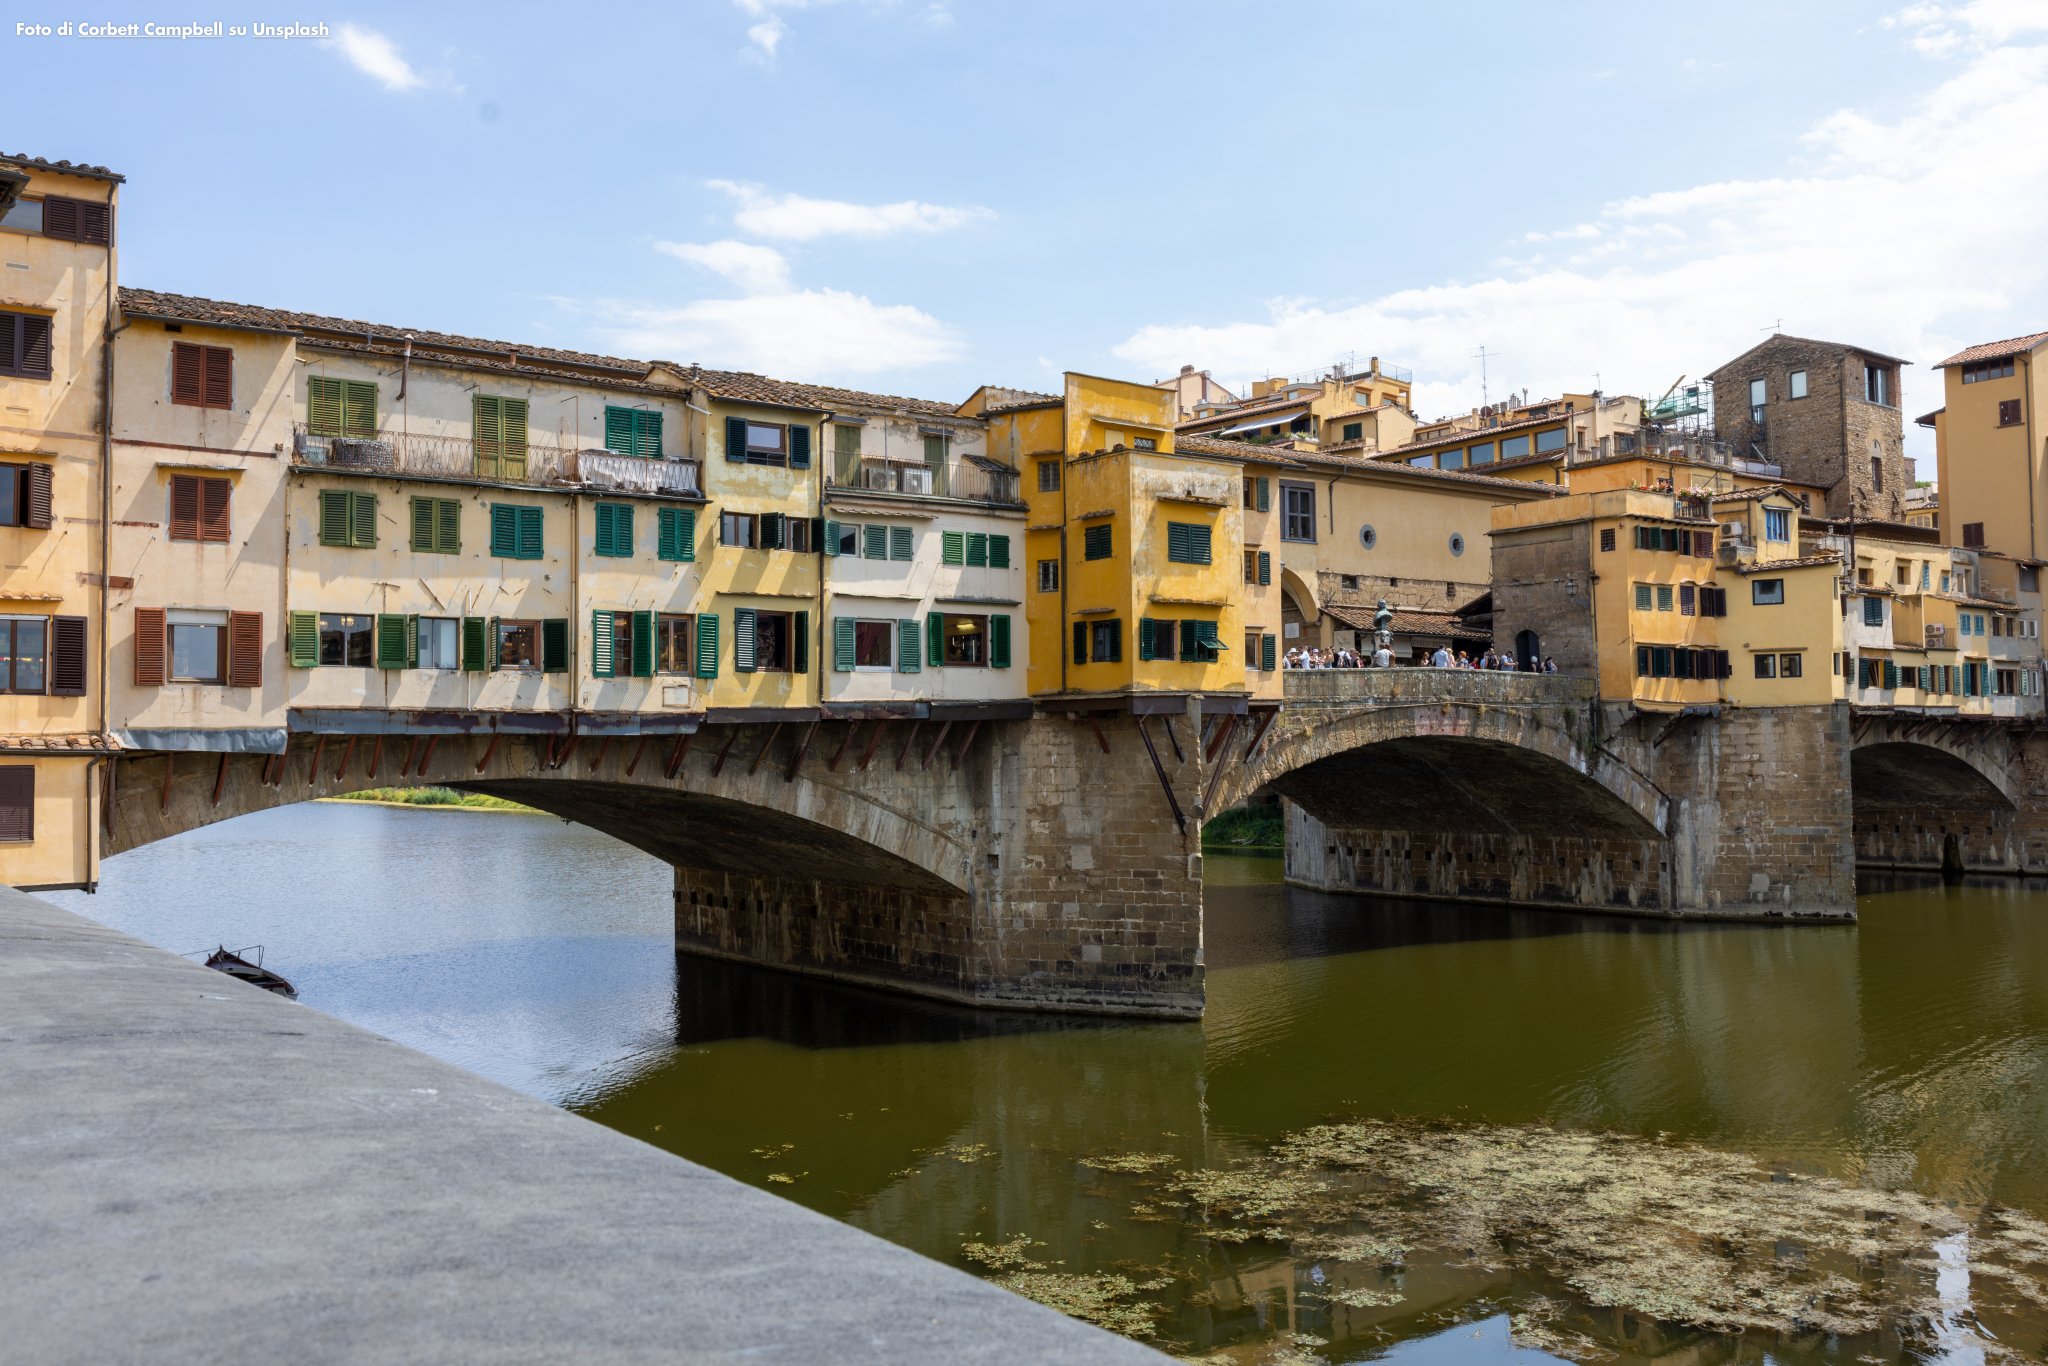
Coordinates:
1367 537
1457 544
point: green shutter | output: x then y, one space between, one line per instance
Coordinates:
475 653
554 645
1269 648
1265 495
618 430
302 639
799 447
952 548
1080 642
491 639
1177 542
504 531
999 641
800 642
998 552
334 516
736 439
647 435
707 645
643 645
323 406
601 529
601 641
423 524
531 544
831 542
935 639
1190 641
876 539
1095 542
743 640
412 640
358 408
842 644
771 535
977 549
677 533
513 459
1199 538
899 543
448 525
1144 638
486 432
362 520
622 531
908 655
1265 567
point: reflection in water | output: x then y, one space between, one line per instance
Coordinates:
1907 1050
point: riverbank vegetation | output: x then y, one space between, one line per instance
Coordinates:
1607 1236
432 796
1244 827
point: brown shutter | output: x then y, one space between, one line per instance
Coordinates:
188 373
92 222
184 507
34 360
17 803
215 496
245 649
60 217
36 483
151 647
220 377
67 657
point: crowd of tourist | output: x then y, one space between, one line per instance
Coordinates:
1342 658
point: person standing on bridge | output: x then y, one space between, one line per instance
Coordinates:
1442 658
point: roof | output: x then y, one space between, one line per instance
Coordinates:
1927 419
1021 405
1760 565
1807 341
1244 410
1407 621
1998 350
1348 462
1487 434
24 161
1746 495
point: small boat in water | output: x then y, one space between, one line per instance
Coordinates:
255 974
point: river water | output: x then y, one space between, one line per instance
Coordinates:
1905 1052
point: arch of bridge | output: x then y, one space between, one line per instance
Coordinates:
1917 761
885 826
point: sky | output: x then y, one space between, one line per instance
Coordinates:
923 196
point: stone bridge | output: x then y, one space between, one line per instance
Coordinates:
1960 794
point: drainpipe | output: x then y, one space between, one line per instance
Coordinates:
2027 397
1066 570
109 332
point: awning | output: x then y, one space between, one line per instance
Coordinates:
265 740
1270 420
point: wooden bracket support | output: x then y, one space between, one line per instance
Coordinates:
376 754
638 750
348 752
851 731
602 746
428 757
766 745
489 751
801 750
313 769
411 746
220 779
170 767
675 760
960 752
935 744
730 737
1220 740
867 755
907 743
1165 784
1222 743
1102 739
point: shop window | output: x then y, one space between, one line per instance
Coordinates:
347 639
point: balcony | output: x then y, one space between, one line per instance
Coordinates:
451 457
975 480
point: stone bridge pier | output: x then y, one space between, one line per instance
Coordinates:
1529 791
1952 794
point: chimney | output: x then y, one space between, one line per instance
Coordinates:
1187 369
1375 365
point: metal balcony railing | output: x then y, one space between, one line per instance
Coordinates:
401 453
954 479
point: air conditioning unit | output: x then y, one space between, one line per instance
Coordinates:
917 481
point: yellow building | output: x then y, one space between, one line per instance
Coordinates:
57 227
1370 406
1990 446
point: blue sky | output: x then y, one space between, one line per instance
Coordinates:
921 197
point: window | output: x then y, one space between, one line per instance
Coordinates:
2009 412
1552 440
1877 384
1095 542
1993 369
1777 524
1607 538
348 518
1144 443
1767 592
2006 681
1451 460
347 639
26 215
1349 582
436 525
519 646
1424 462
737 529
1048 576
673 642
340 407
768 642
199 508
25 494
1789 665
1513 448
75 220
1482 454
1644 595
18 804
1973 537
1106 641
24 648
1687 596
1048 476
966 641
498 426
202 376
1354 431
1663 597
1904 573
621 644
1251 649
1158 639
1713 601
1796 388
1873 611
1251 566
516 532
1187 543
440 643
1297 512
1766 666
1876 469
874 645
767 443
900 543
1756 400
935 461
675 533
632 431
25 345
612 529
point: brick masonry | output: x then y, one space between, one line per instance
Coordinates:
1826 437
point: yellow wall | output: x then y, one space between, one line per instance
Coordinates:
1987 475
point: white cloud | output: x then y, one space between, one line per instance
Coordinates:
793 218
766 37
1916 237
757 270
810 334
377 57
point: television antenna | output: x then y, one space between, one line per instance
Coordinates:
1481 353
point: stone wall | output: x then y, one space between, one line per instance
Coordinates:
1543 583
1824 438
1968 796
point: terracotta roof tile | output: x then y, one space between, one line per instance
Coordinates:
743 387
23 161
1997 350
1420 472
